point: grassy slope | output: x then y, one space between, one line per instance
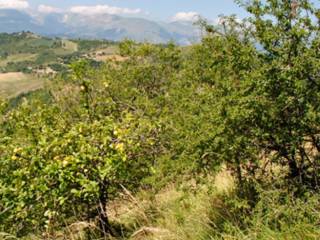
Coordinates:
34 48
197 211
19 57
29 47
68 47
210 210
12 84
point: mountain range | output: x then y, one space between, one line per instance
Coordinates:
102 26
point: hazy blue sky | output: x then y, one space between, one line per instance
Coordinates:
155 9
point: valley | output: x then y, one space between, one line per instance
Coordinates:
26 59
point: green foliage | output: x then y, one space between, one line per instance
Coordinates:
276 215
264 71
246 97
71 161
86 45
24 42
46 56
41 95
24 67
22 52
289 86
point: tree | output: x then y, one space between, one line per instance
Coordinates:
269 93
56 164
289 84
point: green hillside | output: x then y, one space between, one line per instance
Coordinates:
25 51
36 58
217 141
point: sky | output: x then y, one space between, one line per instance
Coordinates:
163 10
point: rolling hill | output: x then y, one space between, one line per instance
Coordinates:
27 59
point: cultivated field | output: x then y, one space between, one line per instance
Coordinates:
14 83
68 47
104 54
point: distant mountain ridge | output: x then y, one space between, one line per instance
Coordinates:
104 26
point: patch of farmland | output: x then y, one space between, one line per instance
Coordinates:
15 83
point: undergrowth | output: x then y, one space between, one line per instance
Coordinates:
205 211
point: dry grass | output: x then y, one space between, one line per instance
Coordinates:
15 83
113 57
224 182
175 213
193 211
6 236
69 45
107 54
12 76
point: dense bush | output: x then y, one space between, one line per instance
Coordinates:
246 97
69 156
268 91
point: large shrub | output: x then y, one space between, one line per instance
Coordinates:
264 72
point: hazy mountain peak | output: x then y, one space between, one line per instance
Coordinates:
103 25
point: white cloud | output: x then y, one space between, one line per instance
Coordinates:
48 9
102 9
185 16
13 4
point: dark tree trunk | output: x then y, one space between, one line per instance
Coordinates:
239 172
104 223
294 171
